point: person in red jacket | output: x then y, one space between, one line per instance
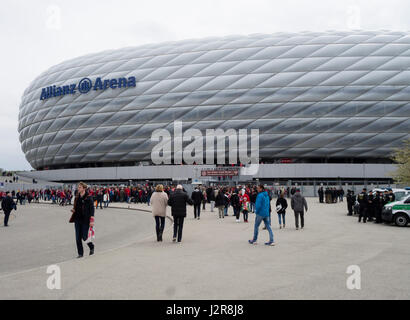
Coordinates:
245 201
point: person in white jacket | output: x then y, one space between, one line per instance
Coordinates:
106 199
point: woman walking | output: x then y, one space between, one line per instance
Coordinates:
159 202
83 218
281 205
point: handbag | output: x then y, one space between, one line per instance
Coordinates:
91 235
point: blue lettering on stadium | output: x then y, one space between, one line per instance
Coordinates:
86 85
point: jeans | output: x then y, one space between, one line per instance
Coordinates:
178 226
302 220
159 225
106 204
226 211
81 233
266 221
252 206
197 210
281 216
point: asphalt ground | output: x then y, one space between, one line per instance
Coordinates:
213 261
40 234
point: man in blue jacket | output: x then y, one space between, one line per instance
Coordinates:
262 214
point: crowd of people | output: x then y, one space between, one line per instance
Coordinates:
368 205
330 195
102 196
244 200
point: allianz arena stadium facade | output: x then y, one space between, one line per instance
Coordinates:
315 97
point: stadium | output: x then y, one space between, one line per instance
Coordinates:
328 106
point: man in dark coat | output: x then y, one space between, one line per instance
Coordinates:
83 218
350 202
99 198
378 200
363 202
320 192
177 201
370 206
7 205
236 205
197 198
210 194
391 197
298 204
252 197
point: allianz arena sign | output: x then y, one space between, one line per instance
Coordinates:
86 85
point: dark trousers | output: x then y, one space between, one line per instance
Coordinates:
159 226
245 215
370 213
197 210
302 219
99 202
81 234
203 205
237 212
178 226
363 214
6 218
378 215
350 208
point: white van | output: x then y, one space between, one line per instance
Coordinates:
397 212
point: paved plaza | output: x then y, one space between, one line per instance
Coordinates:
213 261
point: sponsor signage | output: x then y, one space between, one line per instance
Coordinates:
286 160
219 172
86 85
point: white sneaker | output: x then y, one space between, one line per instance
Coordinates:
238 220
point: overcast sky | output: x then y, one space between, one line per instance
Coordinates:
36 35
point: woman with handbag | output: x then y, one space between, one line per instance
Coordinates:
83 218
281 205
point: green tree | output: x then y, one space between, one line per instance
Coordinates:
402 157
